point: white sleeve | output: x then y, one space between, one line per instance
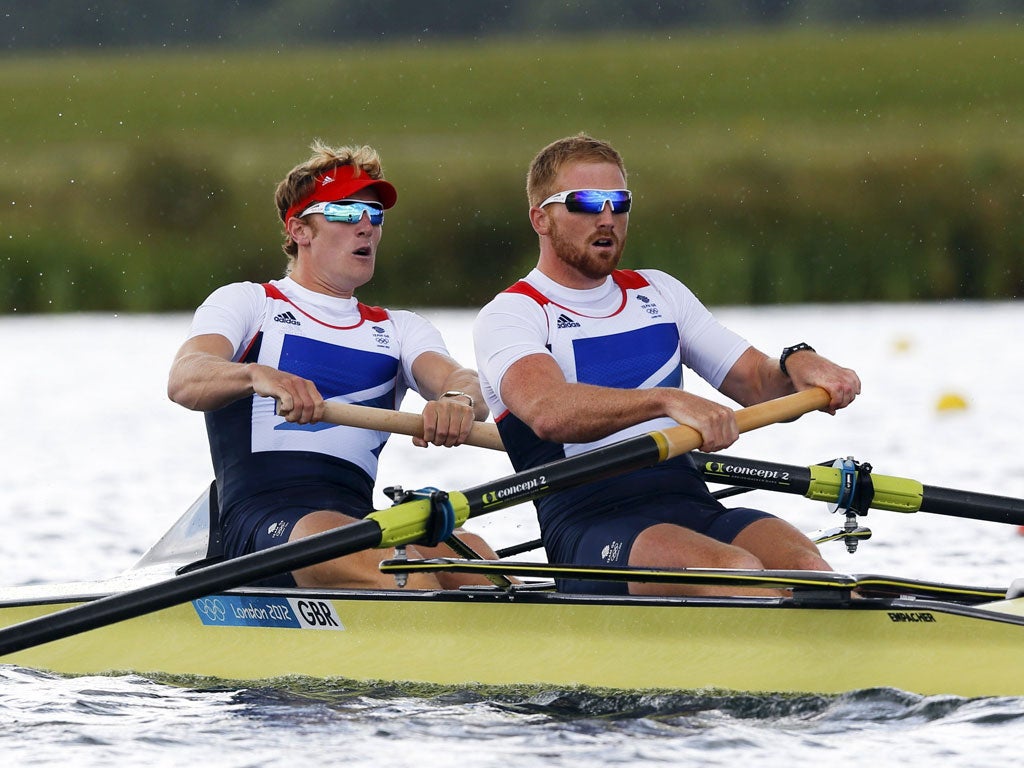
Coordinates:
418 335
508 329
233 311
708 348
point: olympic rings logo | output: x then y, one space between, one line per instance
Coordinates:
212 608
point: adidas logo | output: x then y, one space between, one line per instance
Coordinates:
278 529
612 552
286 317
326 180
564 321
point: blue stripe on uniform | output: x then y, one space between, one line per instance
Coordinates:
626 360
336 370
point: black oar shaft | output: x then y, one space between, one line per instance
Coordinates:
618 458
892 493
750 473
974 506
237 572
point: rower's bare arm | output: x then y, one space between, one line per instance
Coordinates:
436 374
203 378
536 391
447 417
756 377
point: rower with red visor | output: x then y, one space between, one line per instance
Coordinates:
261 359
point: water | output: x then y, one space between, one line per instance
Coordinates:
97 463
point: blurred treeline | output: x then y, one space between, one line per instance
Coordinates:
795 164
65 24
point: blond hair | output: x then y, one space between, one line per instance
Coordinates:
580 148
300 179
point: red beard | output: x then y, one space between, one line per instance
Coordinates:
591 266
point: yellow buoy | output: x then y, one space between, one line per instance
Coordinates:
902 345
951 401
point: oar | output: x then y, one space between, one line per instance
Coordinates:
483 435
895 494
401 524
634 453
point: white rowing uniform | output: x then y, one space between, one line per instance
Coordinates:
352 352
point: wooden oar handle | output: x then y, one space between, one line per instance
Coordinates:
483 435
782 409
683 439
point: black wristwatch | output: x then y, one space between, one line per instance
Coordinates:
801 347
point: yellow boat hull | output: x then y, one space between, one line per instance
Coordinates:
494 638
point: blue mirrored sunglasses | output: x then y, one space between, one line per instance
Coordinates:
348 211
592 200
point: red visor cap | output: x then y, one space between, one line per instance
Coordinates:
338 184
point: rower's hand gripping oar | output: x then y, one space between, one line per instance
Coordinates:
401 524
483 435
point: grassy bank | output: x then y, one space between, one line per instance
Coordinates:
770 167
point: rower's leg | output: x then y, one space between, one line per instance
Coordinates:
480 549
671 546
356 571
781 546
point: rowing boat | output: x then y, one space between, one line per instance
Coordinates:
910 635
179 613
